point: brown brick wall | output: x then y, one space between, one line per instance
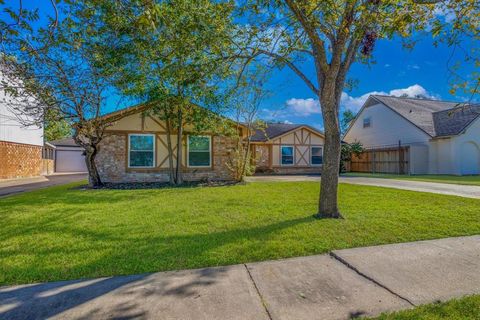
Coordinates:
19 160
112 162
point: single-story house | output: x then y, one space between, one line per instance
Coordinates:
68 157
438 137
134 149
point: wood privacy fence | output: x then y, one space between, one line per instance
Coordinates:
382 160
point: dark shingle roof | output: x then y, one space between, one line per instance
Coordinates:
65 142
272 130
418 111
453 121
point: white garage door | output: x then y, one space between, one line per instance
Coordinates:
70 161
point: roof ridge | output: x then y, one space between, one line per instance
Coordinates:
413 98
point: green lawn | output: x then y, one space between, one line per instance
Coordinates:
467 308
464 180
65 233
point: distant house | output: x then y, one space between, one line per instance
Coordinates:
134 149
288 149
429 136
69 157
22 152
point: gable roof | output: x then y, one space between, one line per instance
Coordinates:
454 121
434 117
274 130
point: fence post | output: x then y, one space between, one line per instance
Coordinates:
373 161
399 157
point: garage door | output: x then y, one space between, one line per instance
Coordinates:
70 161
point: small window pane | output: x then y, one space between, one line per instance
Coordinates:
317 157
287 155
198 159
366 122
141 159
141 151
199 143
138 143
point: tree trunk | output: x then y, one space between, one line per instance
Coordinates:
178 171
328 204
93 176
171 168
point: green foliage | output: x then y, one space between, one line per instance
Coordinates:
349 149
65 232
56 127
347 117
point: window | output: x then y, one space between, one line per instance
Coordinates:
199 151
287 155
141 150
367 122
316 156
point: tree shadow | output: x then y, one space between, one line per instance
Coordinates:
154 253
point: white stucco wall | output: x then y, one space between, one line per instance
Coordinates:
12 130
387 128
466 150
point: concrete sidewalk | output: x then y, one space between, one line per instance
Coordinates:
432 187
13 186
345 284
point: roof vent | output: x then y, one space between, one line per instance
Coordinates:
411 110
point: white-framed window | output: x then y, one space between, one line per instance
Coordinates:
199 152
141 150
316 156
367 122
287 156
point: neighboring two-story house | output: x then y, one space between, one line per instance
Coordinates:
440 137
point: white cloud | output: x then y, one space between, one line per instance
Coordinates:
307 107
387 65
304 107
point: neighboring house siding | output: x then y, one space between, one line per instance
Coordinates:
387 128
112 159
20 146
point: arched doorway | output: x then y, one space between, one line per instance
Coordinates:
470 158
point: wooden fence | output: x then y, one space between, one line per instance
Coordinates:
383 160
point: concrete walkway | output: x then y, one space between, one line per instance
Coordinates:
341 285
432 187
13 186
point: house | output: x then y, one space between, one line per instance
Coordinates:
69 157
288 149
423 136
22 151
134 149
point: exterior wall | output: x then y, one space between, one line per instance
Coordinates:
386 129
466 151
12 130
19 160
418 159
301 140
112 159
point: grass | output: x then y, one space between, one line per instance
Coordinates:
67 233
463 180
467 308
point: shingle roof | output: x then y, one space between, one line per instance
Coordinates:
65 142
272 130
453 121
418 111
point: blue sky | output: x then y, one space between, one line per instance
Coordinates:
396 71
422 70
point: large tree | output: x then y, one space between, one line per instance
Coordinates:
50 76
332 34
166 52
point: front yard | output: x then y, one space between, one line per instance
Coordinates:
64 233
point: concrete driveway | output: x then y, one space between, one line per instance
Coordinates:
344 284
14 186
432 187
